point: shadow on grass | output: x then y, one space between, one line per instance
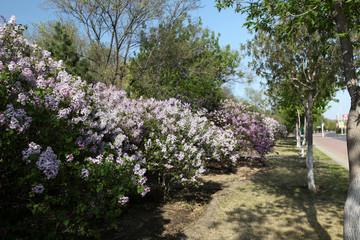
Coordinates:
298 208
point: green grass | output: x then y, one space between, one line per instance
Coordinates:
276 204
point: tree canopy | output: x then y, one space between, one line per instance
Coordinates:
181 59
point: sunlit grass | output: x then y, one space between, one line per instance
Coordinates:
276 204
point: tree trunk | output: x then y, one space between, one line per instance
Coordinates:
298 132
304 139
309 141
297 135
352 204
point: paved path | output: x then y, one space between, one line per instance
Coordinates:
334 148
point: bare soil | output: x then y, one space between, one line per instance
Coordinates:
150 218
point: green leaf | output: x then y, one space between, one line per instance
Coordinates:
66 222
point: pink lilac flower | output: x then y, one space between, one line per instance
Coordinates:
145 191
123 200
142 180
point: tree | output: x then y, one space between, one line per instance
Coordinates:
302 65
112 26
60 38
183 61
323 16
257 98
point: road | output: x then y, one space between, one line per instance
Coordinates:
336 136
334 146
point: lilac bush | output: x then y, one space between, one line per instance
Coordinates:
59 169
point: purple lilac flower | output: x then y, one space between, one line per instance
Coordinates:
48 163
38 189
33 149
17 118
28 75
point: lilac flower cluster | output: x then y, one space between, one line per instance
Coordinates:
38 189
47 160
15 119
276 130
255 133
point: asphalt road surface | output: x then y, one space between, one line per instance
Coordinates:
336 136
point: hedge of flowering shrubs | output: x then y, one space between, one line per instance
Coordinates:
73 154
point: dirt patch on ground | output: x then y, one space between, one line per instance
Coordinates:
184 213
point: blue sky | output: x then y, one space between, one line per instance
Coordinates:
227 23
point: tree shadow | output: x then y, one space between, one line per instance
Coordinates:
295 202
150 218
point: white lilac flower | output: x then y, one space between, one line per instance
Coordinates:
69 158
46 54
97 160
40 66
138 170
63 113
110 158
119 161
85 174
168 166
12 66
